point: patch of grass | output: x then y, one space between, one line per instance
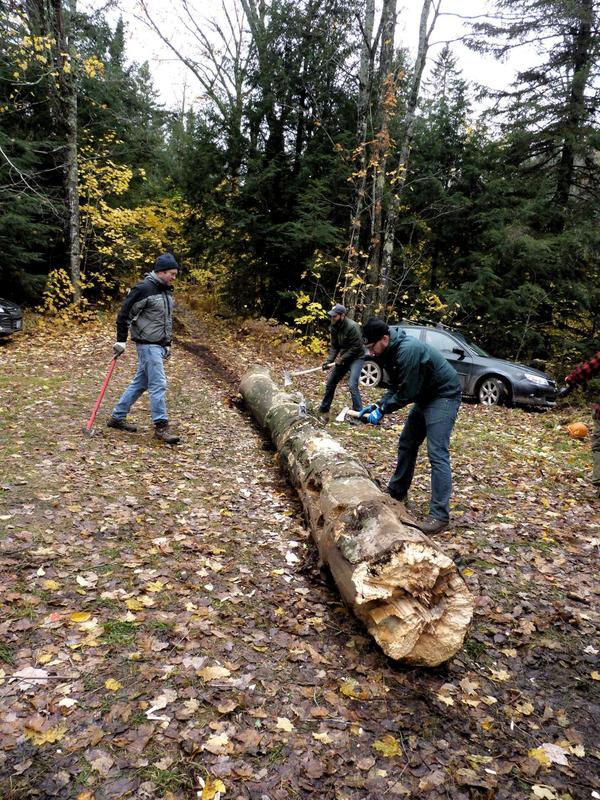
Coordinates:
118 632
109 603
276 754
27 381
475 649
586 687
82 775
158 625
110 552
167 780
6 655
136 719
23 612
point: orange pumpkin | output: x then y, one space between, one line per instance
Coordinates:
577 430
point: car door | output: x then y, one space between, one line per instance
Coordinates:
454 351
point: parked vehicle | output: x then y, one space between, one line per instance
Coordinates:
491 381
11 317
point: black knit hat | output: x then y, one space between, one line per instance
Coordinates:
375 329
165 262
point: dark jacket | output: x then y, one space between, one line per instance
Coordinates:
346 342
147 312
582 375
417 372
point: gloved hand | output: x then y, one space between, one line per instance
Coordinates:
374 417
327 365
118 349
372 414
167 352
366 410
566 389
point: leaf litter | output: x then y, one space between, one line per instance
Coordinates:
164 635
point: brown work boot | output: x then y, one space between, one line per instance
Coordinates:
430 525
162 431
121 425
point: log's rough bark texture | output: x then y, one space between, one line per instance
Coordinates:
405 590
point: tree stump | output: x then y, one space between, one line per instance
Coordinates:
396 580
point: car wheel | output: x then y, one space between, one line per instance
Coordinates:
492 391
370 375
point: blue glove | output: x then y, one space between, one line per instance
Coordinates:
366 410
375 416
372 414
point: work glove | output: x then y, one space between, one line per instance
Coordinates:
167 352
567 389
118 349
372 414
327 365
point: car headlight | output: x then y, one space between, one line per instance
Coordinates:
537 379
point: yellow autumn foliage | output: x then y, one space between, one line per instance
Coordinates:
117 236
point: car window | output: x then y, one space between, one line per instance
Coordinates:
479 351
440 341
416 332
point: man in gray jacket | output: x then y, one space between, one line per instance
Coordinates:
147 312
346 355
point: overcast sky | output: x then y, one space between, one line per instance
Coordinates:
173 80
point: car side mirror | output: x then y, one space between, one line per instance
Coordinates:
458 351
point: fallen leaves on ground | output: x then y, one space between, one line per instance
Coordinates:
163 635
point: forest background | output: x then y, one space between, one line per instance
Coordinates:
322 162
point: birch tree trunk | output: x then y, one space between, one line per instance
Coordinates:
399 179
381 148
403 588
354 279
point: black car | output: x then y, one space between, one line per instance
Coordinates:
489 380
11 318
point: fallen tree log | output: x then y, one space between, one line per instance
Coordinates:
398 582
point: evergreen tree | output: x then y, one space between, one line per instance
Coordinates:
541 245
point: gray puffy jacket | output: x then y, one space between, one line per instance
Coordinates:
147 312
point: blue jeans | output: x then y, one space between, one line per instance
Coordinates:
150 376
433 421
335 376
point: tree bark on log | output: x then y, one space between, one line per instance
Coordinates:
397 581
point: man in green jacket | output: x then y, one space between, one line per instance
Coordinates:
417 374
346 355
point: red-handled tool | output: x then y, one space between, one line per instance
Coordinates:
90 422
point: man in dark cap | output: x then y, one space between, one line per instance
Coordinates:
346 354
147 312
417 374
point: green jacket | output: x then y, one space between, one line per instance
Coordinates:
346 342
417 372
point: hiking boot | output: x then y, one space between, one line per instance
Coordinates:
121 425
430 525
323 416
162 431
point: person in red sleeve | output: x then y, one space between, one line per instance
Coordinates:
578 377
